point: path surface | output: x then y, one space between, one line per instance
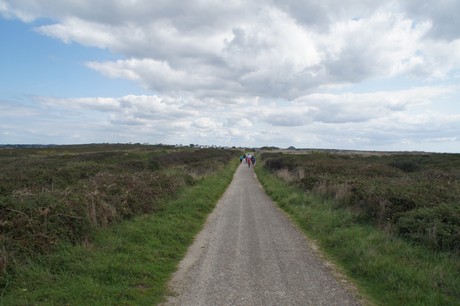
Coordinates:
249 253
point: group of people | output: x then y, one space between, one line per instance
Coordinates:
249 159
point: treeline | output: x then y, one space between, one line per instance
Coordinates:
62 194
415 196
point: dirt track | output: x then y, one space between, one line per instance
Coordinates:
249 253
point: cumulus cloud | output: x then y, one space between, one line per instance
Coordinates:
142 107
444 16
261 70
352 107
154 118
279 49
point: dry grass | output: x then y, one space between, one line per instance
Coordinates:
65 193
412 195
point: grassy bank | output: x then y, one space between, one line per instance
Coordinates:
388 269
130 261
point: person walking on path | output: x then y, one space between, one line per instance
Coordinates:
249 160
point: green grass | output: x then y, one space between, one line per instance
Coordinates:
129 263
64 194
415 196
388 269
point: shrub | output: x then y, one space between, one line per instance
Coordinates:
390 191
438 227
153 164
405 165
51 198
309 182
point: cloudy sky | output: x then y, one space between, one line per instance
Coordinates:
343 74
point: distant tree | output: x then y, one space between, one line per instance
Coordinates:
269 148
291 148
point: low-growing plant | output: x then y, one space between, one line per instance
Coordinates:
437 227
406 166
64 194
128 263
403 193
389 270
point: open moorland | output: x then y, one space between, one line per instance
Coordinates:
415 196
63 195
391 221
109 223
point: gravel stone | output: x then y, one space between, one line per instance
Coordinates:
250 253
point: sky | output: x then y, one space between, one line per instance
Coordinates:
332 74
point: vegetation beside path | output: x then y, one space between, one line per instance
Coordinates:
127 259
391 268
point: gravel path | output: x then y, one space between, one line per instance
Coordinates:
249 253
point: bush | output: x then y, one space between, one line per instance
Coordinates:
406 166
390 191
51 198
437 227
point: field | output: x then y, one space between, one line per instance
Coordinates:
415 196
390 221
109 223
65 195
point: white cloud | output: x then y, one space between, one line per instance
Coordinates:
84 32
283 70
279 49
356 108
443 13
384 44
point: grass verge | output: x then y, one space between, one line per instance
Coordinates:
389 270
127 264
